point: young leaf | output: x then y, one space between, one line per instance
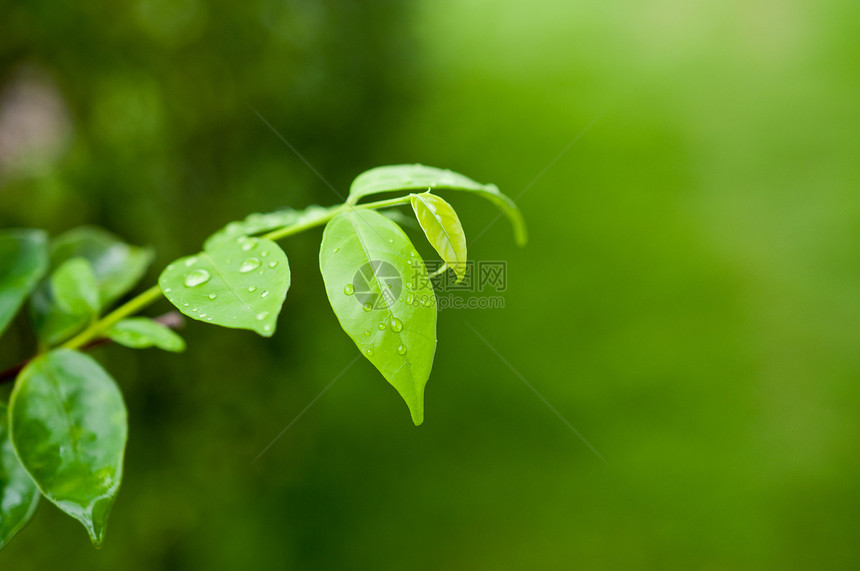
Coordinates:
19 495
23 261
116 265
240 283
379 290
68 425
75 288
443 230
420 177
142 332
254 224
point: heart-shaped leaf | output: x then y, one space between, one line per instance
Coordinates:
443 230
142 332
19 495
240 283
381 294
419 177
68 425
23 261
75 288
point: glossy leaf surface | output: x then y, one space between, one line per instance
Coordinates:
19 495
142 332
68 425
116 265
75 288
420 177
240 283
23 261
379 290
443 230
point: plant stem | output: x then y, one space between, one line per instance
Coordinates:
153 294
129 308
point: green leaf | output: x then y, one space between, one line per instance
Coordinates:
257 223
69 428
23 261
239 283
379 290
419 177
142 332
117 267
19 495
443 230
75 288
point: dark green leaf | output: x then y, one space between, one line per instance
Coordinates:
75 288
69 428
116 265
443 230
257 223
381 294
420 177
142 332
239 283
23 261
19 495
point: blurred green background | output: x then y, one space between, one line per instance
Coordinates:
689 299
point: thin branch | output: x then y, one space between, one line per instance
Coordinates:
172 319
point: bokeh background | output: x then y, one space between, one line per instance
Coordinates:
689 300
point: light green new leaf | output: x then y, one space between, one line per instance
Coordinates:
443 230
75 288
23 261
117 267
419 177
256 223
19 495
381 294
142 332
69 427
239 283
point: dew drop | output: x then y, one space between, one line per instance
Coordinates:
167 290
367 332
396 325
196 277
401 350
203 315
348 289
185 304
264 253
381 326
368 352
265 293
391 240
195 309
336 250
273 264
249 265
410 298
190 261
252 289
409 285
262 315
212 296
248 245
267 328
367 307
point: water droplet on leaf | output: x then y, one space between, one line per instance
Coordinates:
262 315
195 278
396 324
401 350
348 289
249 265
